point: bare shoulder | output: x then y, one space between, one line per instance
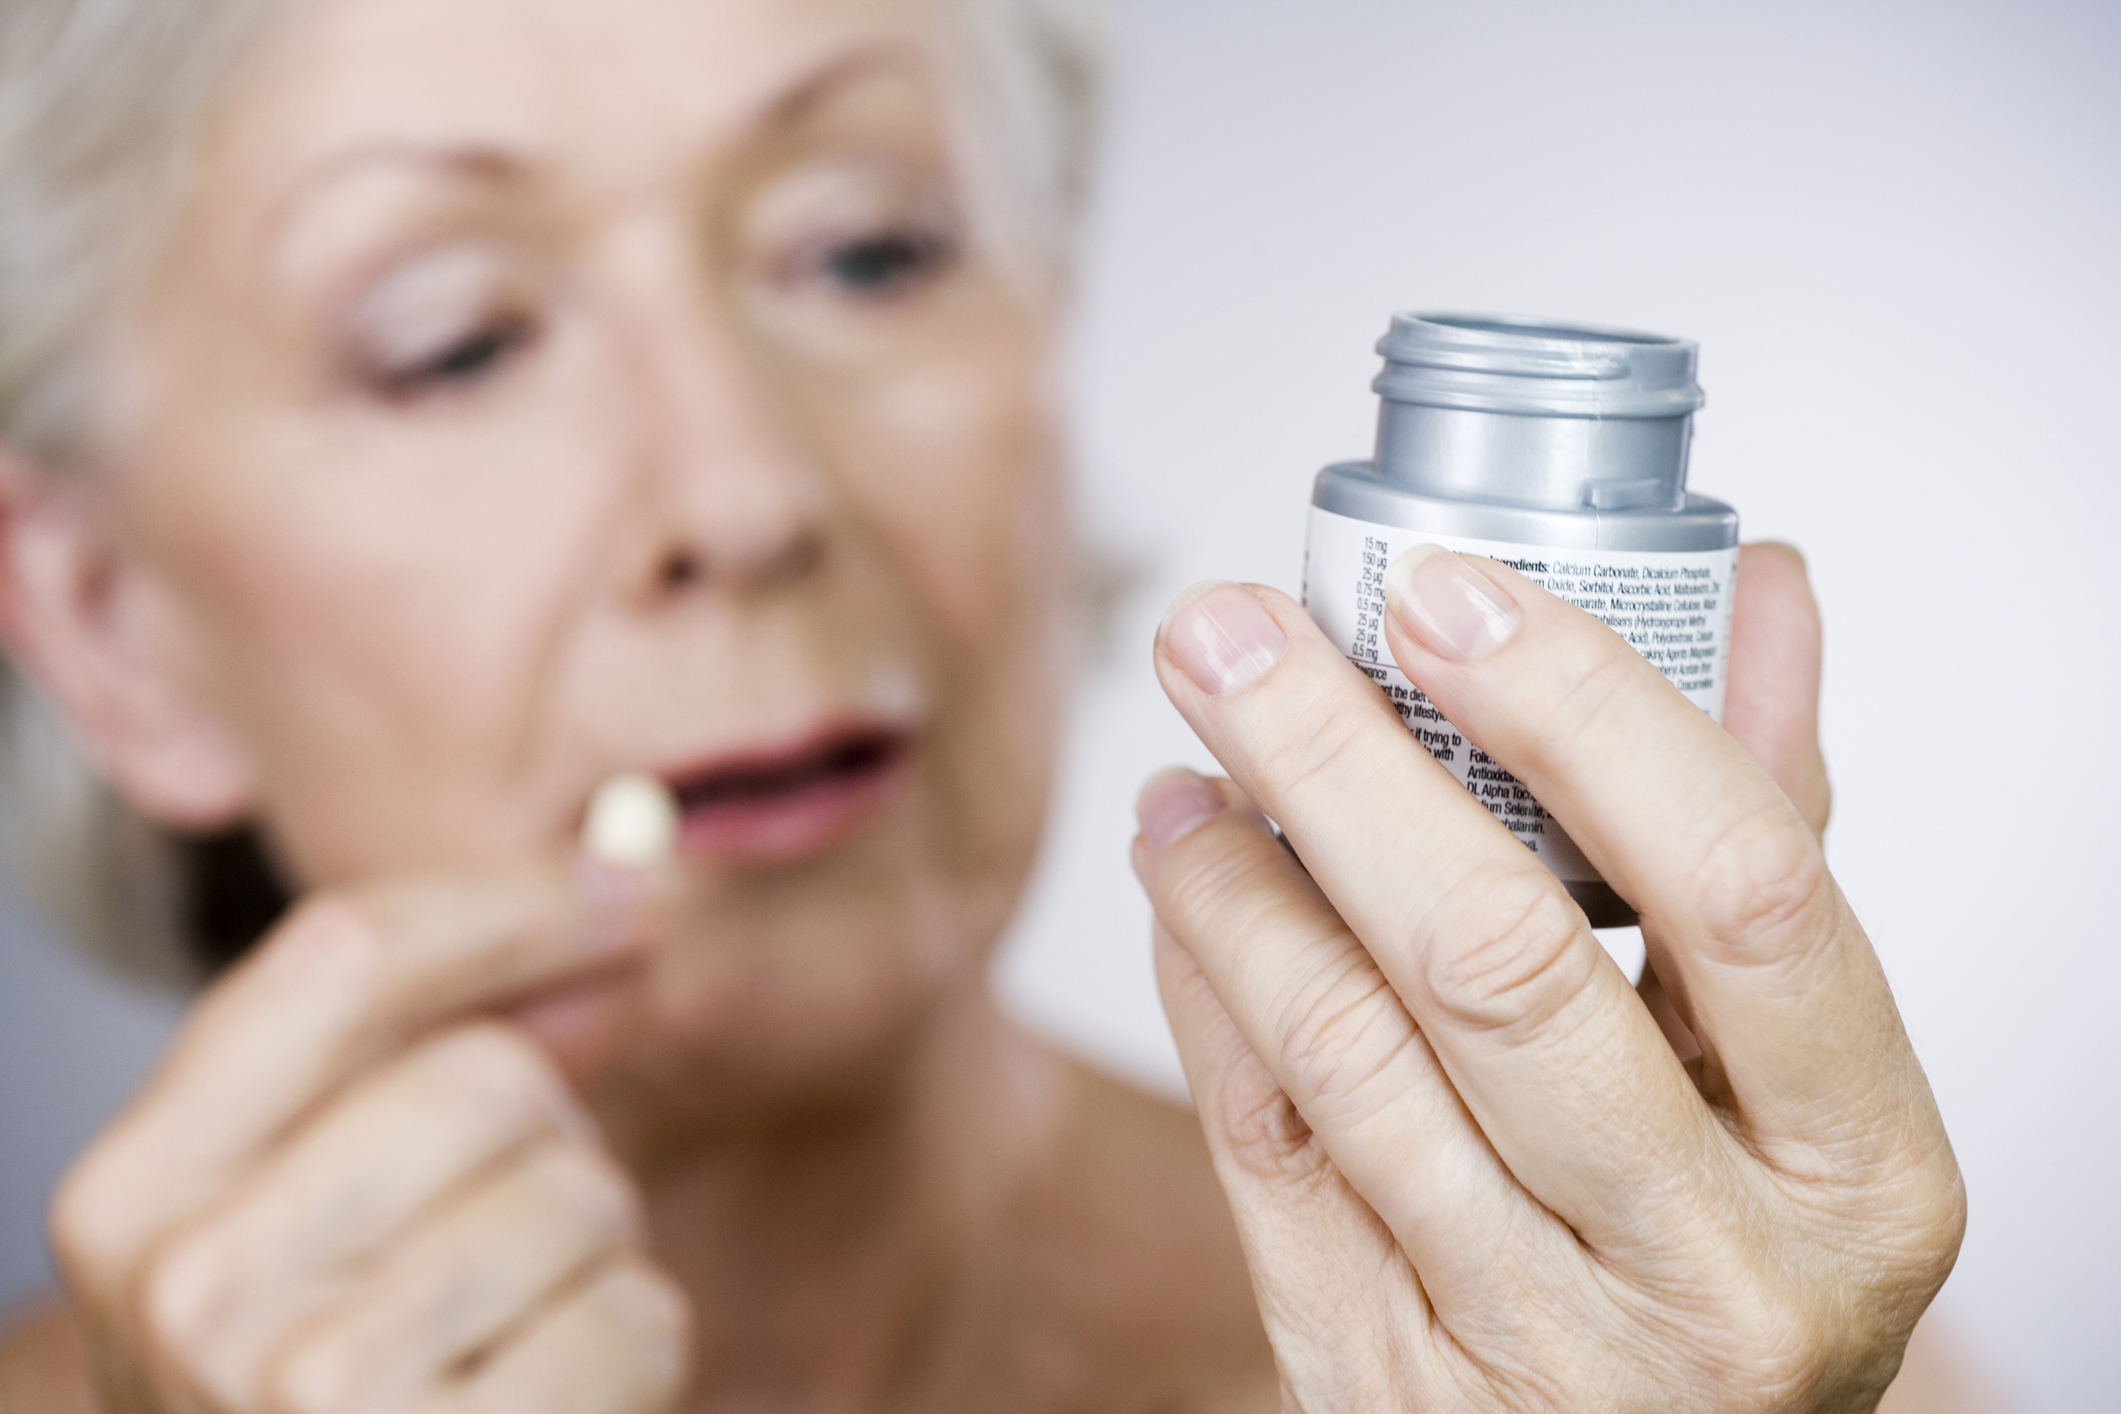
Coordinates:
1137 1230
43 1363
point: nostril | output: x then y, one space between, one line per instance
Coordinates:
680 568
799 558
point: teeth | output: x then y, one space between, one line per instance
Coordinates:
632 821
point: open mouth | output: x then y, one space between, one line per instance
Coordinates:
784 805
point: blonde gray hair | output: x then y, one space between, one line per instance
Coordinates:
101 104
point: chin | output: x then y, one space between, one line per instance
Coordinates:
810 988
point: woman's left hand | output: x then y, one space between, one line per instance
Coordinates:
1470 1168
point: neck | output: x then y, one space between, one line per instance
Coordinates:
830 1251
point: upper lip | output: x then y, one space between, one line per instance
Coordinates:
761 772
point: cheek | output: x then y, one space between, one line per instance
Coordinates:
970 507
970 499
376 612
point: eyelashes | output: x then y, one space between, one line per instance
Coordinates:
886 262
461 363
452 320
856 231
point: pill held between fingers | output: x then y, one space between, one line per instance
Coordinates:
632 821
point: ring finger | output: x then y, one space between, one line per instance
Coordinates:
1309 1002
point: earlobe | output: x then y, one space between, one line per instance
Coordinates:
79 619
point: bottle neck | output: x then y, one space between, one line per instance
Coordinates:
1563 463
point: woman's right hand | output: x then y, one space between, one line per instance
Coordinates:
346 1190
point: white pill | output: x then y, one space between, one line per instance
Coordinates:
632 820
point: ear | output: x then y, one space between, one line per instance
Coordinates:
93 629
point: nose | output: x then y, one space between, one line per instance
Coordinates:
731 496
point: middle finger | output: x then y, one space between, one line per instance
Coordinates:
1744 920
1541 1035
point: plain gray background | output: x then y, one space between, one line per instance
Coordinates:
1894 229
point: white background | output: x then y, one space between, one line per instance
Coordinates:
1894 228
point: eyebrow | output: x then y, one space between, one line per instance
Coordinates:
491 164
483 163
808 93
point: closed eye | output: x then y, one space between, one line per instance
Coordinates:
887 262
465 362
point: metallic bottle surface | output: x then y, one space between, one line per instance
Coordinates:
1561 450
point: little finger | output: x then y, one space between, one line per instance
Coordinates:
475 1271
617 1343
1305 1231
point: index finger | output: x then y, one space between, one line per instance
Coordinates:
1543 1038
346 977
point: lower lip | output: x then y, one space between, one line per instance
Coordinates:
796 825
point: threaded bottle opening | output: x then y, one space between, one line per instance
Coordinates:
1536 367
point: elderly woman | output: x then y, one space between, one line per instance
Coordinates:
418 411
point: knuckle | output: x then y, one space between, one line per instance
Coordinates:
646 1304
1339 1031
1791 1351
325 923
320 1376
1934 1220
1816 1348
1946 1209
1758 1338
1211 874
1340 728
1765 893
88 1219
325 913
1792 1335
186 1298
590 1187
1231 883
501 1070
1265 1135
1510 951
665 1318
1597 678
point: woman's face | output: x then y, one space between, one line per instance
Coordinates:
544 388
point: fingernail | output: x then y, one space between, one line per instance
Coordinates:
1221 637
1173 804
1447 606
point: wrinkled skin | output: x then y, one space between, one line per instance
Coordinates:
536 389
532 392
1471 1167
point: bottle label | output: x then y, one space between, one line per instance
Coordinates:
1673 607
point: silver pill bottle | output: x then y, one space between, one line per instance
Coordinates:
1560 450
